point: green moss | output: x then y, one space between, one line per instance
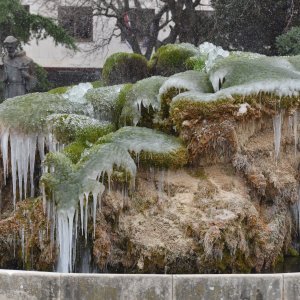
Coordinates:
97 84
150 147
173 160
121 100
124 68
292 252
141 102
221 108
28 113
75 150
295 61
198 173
70 127
171 59
244 70
104 101
195 63
59 90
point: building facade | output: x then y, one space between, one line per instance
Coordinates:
76 16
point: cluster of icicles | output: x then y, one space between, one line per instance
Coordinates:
22 158
277 127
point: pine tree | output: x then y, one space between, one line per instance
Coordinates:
17 21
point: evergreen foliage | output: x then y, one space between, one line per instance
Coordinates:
253 25
16 21
289 43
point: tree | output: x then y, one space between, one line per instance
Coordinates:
143 28
17 21
181 19
289 43
253 25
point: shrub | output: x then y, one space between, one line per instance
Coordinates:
289 43
124 68
171 59
43 85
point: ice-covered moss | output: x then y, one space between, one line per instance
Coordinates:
124 67
121 100
246 75
141 100
74 150
104 101
97 84
187 81
295 61
152 147
28 113
67 128
171 59
77 93
59 90
71 184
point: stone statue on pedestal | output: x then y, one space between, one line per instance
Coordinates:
18 75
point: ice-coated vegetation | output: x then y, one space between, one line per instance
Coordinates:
104 101
71 186
66 128
212 54
188 81
77 92
77 128
23 125
143 94
246 75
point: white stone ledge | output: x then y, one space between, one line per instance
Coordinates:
31 285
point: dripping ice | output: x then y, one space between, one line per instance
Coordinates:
277 124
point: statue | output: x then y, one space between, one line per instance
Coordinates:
18 74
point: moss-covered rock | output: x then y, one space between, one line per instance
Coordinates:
124 68
59 90
28 113
70 127
172 58
142 102
105 102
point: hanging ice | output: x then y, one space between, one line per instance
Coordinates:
77 92
295 129
277 122
73 186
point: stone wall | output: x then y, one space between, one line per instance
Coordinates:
39 285
69 76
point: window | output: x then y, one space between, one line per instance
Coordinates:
77 21
139 21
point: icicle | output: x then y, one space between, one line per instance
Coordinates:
41 146
277 123
295 127
296 213
23 243
86 215
65 221
95 197
13 147
81 198
4 150
44 198
161 185
32 150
